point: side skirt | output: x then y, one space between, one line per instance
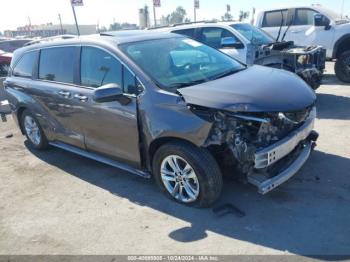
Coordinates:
101 159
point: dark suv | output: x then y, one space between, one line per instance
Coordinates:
162 104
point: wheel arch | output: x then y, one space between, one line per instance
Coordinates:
342 44
19 114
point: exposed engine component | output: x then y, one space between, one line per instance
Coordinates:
244 134
306 62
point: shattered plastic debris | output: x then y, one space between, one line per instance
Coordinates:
226 209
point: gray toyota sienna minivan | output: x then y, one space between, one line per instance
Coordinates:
162 105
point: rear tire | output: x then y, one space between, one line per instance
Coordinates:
204 176
33 131
342 67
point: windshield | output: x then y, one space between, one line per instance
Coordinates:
330 14
179 62
253 34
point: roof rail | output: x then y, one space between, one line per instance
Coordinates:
46 39
189 23
179 24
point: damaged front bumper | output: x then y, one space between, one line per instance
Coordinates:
266 185
304 137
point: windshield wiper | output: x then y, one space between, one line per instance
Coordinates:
227 73
185 84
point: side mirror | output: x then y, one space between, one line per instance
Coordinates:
110 93
231 42
321 20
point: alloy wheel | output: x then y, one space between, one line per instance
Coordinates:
179 179
32 130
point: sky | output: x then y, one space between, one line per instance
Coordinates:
15 13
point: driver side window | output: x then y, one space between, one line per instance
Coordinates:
99 68
304 16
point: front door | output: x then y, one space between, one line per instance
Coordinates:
109 128
304 32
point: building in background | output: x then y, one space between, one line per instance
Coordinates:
47 30
144 18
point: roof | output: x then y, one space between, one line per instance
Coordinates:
106 38
129 36
115 37
195 25
317 7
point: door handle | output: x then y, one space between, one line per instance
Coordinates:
296 31
82 98
65 94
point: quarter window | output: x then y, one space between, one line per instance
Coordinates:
185 32
99 68
57 64
24 67
130 84
275 18
304 17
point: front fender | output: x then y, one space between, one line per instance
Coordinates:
163 114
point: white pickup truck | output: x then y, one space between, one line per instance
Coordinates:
250 45
312 25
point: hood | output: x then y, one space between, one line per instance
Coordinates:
6 57
256 89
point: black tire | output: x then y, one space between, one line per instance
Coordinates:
3 69
43 144
342 67
203 164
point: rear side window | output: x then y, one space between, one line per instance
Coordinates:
274 18
212 36
304 16
57 64
99 68
24 67
185 32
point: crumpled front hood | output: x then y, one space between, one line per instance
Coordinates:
256 89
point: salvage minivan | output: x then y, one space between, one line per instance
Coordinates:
164 106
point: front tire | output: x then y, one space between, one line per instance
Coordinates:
4 68
187 174
33 131
342 67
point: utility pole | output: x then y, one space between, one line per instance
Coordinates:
156 3
59 18
76 21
